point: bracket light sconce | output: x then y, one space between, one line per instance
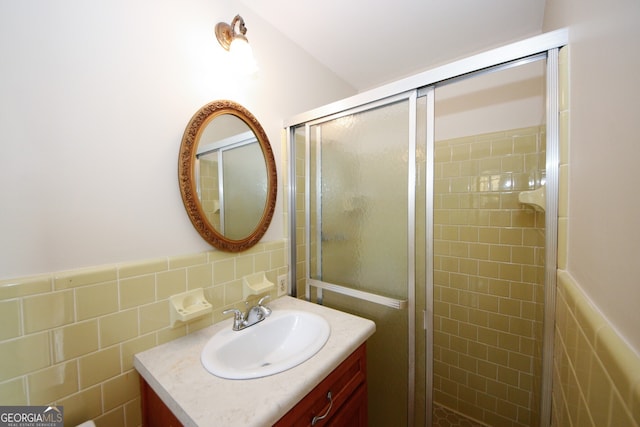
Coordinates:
237 44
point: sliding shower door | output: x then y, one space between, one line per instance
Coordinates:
406 209
362 238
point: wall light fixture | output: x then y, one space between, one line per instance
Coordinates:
237 43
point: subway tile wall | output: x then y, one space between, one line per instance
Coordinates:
68 338
209 191
488 276
300 244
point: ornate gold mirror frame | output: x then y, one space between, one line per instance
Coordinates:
187 175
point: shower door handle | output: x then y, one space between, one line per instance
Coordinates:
398 304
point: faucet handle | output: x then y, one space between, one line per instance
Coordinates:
233 310
266 310
238 318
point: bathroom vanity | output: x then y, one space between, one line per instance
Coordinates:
177 390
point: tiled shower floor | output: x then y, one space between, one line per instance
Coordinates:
442 417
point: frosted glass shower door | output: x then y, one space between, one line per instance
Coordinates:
361 216
361 197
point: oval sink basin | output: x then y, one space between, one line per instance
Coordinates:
281 341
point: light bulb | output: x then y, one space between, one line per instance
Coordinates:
242 56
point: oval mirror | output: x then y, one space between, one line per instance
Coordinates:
227 176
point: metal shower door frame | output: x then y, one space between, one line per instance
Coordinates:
545 44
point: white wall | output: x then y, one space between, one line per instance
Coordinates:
604 208
507 99
94 98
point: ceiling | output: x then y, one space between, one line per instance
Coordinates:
371 42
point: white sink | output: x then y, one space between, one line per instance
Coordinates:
283 340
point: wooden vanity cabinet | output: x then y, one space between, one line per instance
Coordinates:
154 412
347 385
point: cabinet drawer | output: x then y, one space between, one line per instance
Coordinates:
342 383
354 412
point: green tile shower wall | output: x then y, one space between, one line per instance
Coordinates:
488 276
69 338
300 244
209 190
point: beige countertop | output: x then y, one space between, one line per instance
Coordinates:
198 398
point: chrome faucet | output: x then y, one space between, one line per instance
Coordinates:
254 315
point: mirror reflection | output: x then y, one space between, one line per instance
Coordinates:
227 176
231 177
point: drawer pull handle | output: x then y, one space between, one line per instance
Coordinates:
322 417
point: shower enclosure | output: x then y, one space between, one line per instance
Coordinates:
404 208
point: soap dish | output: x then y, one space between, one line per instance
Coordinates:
188 306
255 284
534 198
